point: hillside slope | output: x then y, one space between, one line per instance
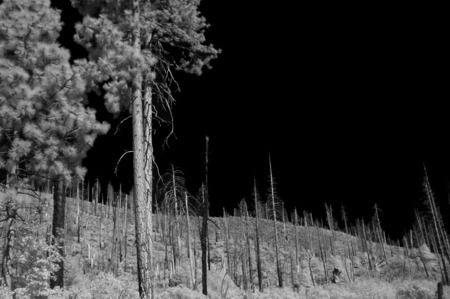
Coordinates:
101 257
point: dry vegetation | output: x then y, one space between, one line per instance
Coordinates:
100 255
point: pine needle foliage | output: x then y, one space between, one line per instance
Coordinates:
45 128
172 39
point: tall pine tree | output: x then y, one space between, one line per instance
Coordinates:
45 128
134 46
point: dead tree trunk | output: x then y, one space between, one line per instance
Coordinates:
205 213
244 247
420 240
203 244
297 267
323 254
258 250
124 236
227 244
379 233
79 213
272 194
58 224
247 237
11 216
440 290
177 224
191 258
437 228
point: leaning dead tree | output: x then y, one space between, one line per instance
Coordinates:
439 230
275 231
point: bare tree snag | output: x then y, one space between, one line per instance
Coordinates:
247 238
272 194
203 244
227 244
191 257
258 250
438 230
59 203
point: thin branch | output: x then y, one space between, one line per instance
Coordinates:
118 162
157 168
118 126
214 223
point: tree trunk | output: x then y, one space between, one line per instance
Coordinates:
191 258
258 250
421 255
204 240
243 248
125 228
203 244
323 253
272 191
78 224
438 231
297 266
244 272
148 175
114 240
143 245
96 196
177 256
247 237
227 244
344 218
81 204
195 253
440 290
379 233
207 198
59 203
100 231
310 256
6 265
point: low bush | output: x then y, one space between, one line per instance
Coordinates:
420 289
180 292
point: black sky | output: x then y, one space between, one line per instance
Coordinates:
348 101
